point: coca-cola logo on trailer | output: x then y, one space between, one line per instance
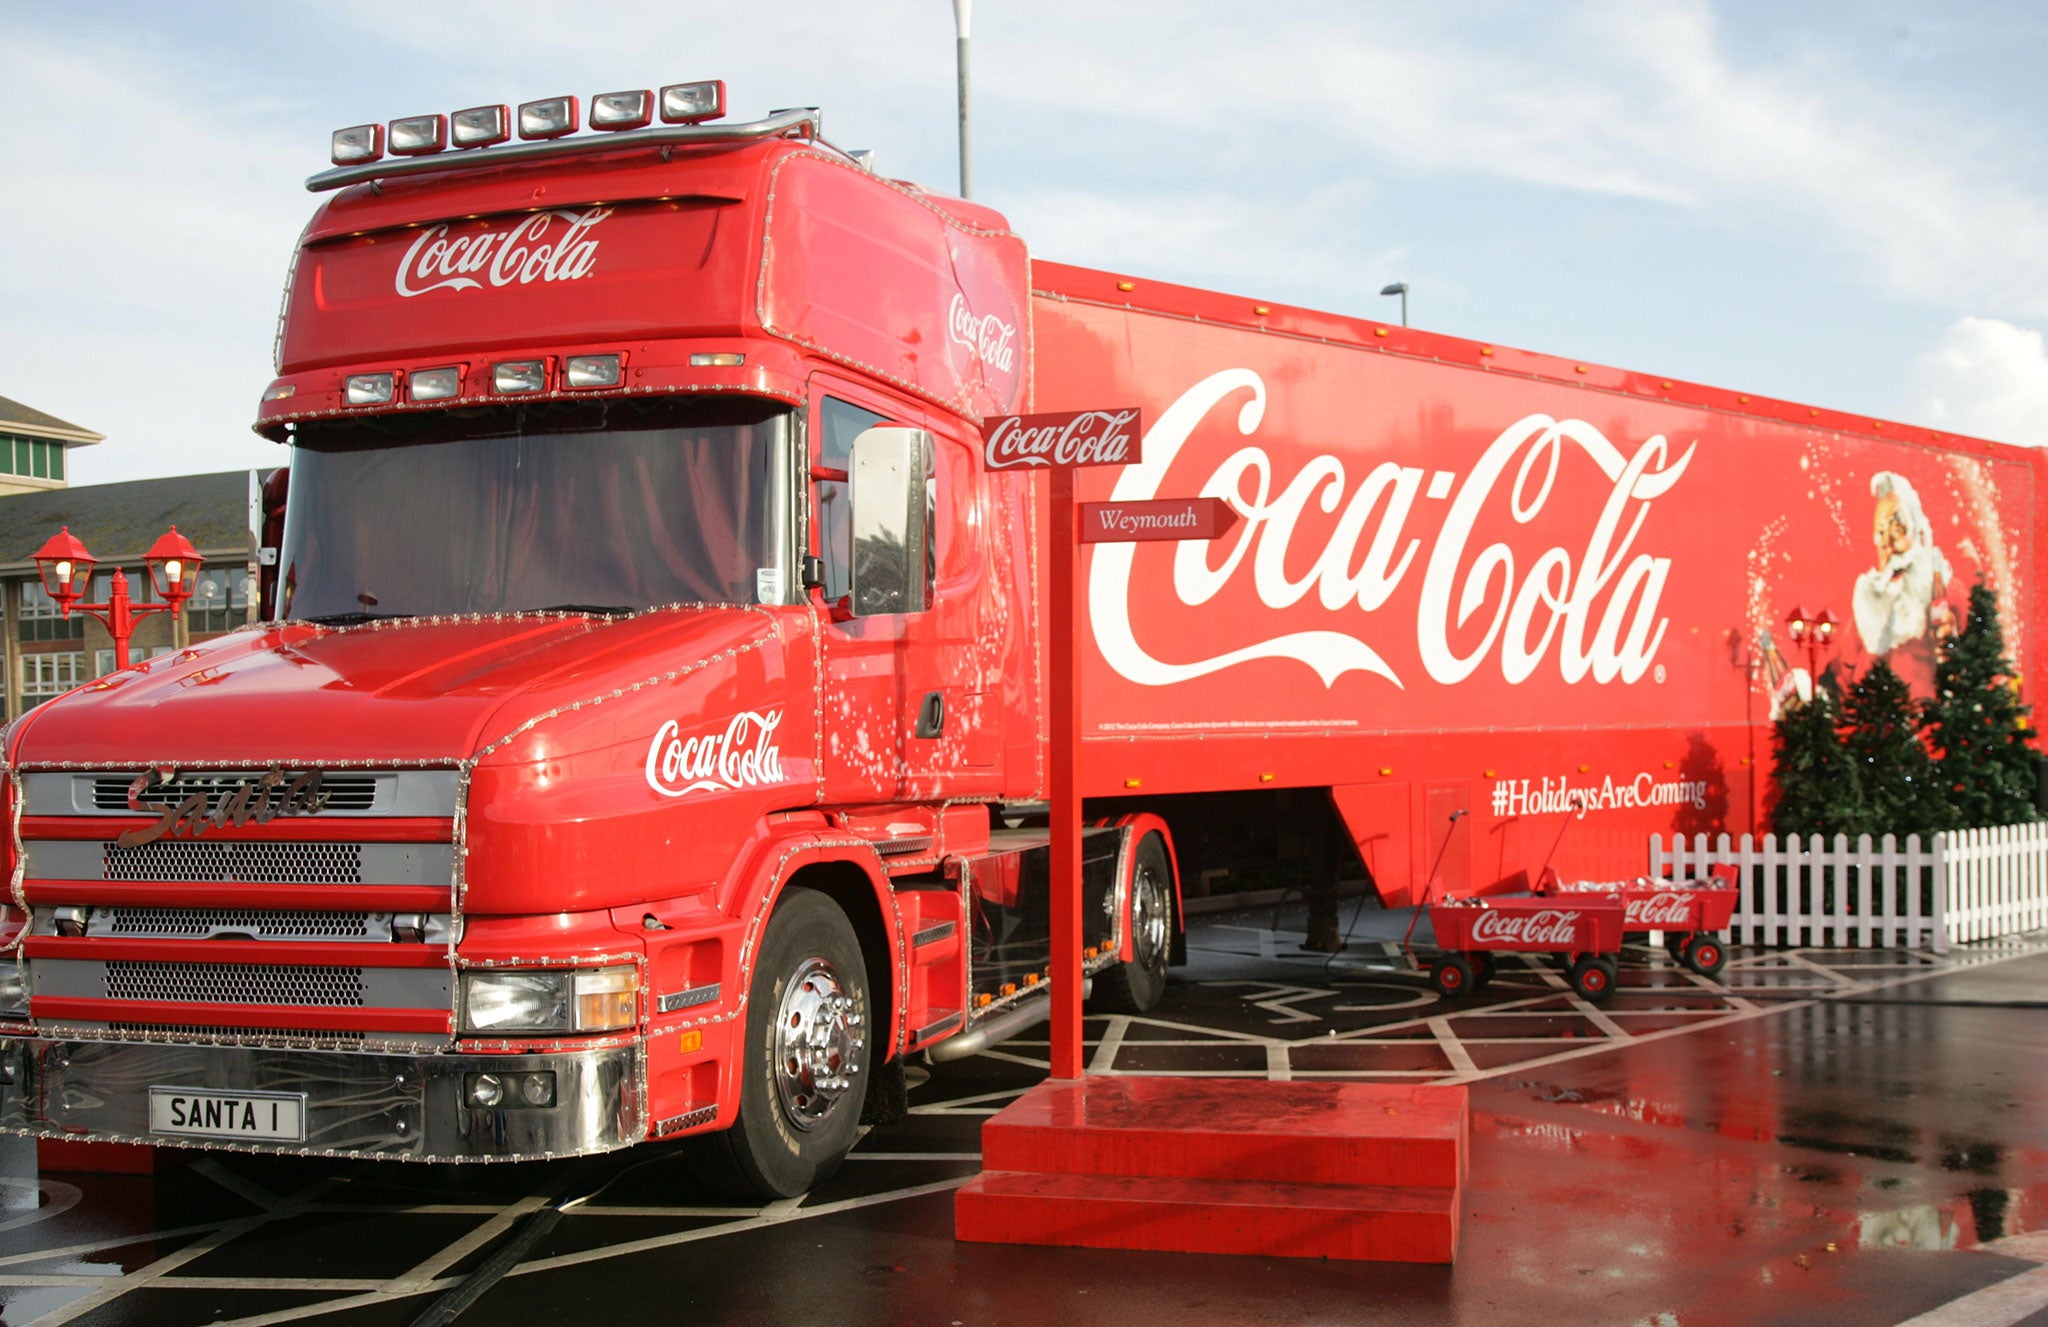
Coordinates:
1659 912
987 338
547 246
1551 928
1087 437
741 755
1590 608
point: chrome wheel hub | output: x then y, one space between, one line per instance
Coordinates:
1150 917
817 1044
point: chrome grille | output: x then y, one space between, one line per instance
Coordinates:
344 792
256 923
235 983
238 863
265 1034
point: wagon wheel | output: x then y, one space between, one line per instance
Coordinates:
1592 976
1483 968
1706 955
1451 976
1676 943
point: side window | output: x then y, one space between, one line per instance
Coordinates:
839 423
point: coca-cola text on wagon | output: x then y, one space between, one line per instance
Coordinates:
1550 928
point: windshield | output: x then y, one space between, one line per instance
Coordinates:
588 506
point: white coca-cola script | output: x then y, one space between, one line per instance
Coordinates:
1553 928
987 338
547 246
741 755
1092 437
1596 605
1660 912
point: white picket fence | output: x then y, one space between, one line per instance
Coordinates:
1966 885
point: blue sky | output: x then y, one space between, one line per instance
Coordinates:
1839 203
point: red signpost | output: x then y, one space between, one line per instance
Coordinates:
1062 444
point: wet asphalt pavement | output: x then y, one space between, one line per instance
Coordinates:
1818 1137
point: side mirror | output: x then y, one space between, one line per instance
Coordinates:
890 474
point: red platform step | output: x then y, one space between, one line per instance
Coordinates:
1331 1170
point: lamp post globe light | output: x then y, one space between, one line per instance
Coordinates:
1815 633
1399 288
66 566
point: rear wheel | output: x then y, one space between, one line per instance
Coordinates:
1592 976
1706 955
807 1057
1139 983
1483 968
1451 976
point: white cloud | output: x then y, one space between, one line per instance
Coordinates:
1988 378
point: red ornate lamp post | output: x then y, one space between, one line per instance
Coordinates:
66 568
1815 633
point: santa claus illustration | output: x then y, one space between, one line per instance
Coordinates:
1904 597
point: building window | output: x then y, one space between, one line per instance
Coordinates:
33 458
219 602
41 619
47 675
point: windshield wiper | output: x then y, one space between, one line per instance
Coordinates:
594 610
348 619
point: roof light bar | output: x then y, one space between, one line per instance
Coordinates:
552 118
693 103
481 126
363 142
622 110
417 135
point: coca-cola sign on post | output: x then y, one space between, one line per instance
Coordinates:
1063 441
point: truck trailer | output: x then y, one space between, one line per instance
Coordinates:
645 736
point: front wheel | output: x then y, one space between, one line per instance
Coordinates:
1451 976
1706 955
1592 976
807 1057
1138 984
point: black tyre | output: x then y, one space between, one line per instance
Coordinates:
1451 975
1138 985
1592 976
1675 943
1706 955
807 1056
1483 968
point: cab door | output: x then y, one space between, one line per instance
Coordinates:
898 711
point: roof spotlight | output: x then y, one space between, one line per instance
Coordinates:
417 135
481 126
359 143
621 110
693 103
551 118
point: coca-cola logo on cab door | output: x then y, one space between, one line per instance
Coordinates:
1551 927
1086 437
741 755
547 246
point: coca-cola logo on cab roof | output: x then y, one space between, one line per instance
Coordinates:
546 246
987 338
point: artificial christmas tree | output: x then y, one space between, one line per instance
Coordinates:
1977 725
1819 790
1902 792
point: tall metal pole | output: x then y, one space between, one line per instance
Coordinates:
961 10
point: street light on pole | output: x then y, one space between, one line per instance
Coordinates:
1399 288
961 10
1815 633
66 568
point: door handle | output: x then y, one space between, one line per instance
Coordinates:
931 716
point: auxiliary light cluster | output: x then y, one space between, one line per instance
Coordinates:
552 117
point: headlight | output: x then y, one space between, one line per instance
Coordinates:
524 1002
13 990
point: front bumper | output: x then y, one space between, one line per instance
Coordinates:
380 1106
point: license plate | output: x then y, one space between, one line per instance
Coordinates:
197 1112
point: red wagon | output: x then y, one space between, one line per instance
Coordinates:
1690 913
1584 932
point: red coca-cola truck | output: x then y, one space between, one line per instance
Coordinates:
646 730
